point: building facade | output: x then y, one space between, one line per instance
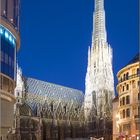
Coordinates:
128 110
99 83
46 111
9 44
115 118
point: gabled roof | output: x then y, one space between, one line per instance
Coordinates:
37 92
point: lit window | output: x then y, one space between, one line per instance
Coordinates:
13 42
1 31
10 38
6 35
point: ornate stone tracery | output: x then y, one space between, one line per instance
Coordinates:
99 82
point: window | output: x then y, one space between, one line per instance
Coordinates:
123 100
127 87
127 76
123 88
138 96
52 107
124 77
65 109
138 71
120 102
123 113
127 112
121 79
128 99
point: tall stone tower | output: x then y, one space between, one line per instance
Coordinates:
99 83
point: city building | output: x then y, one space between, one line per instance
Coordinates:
127 114
115 118
9 44
47 111
99 83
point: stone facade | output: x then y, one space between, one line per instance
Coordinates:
45 111
127 118
99 83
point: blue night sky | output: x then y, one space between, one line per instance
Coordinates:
55 35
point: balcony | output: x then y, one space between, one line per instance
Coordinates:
129 77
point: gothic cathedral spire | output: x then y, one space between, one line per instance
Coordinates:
99 82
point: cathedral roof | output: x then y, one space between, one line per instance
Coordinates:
38 92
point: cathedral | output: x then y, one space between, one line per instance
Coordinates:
99 83
46 111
